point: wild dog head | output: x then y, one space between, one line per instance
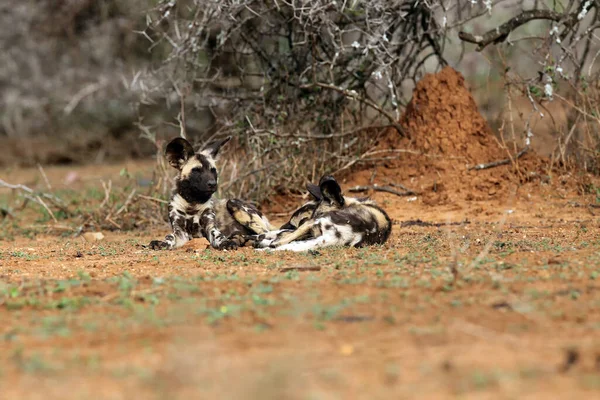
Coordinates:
197 180
331 195
327 196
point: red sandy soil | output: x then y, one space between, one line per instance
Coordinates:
497 299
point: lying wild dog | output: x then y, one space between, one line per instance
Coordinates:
305 212
193 213
331 219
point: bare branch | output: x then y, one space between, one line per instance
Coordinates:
352 94
500 34
506 161
378 188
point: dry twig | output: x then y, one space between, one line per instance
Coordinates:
506 161
301 268
378 188
32 196
127 201
353 95
155 199
107 189
48 185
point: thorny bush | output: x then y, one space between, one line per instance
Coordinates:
307 86
297 82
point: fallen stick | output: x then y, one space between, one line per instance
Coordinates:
419 222
3 183
399 185
506 161
53 227
58 203
378 188
31 195
39 200
300 268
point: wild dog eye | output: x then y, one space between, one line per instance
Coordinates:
213 170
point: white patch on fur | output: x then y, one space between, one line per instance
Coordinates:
215 237
181 205
181 240
270 236
211 160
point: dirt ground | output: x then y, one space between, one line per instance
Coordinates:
487 288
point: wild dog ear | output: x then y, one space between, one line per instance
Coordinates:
213 148
331 190
314 191
178 151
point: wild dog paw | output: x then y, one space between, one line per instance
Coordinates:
265 244
273 244
261 242
247 241
158 245
228 245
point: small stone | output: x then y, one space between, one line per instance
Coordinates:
346 349
93 236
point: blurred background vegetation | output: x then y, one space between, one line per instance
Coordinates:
63 72
304 86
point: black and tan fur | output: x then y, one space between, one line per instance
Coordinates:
331 219
305 212
193 212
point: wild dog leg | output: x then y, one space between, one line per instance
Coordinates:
173 240
326 234
265 239
330 236
216 239
304 245
289 236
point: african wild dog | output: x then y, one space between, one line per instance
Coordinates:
193 212
305 212
330 220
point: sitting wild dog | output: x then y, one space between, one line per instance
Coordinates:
226 224
330 220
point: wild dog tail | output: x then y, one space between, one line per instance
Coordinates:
383 223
